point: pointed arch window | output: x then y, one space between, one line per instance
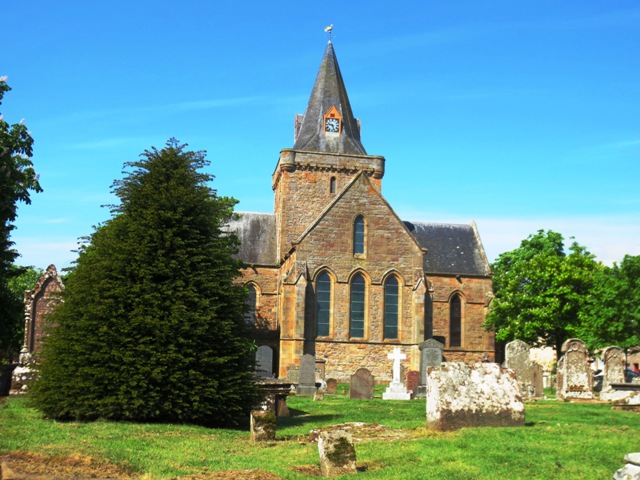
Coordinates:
455 321
358 235
252 303
332 185
323 305
391 308
357 306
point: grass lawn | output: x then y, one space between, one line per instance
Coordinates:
560 440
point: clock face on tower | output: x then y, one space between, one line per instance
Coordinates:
332 125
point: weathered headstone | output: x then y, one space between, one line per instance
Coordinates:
361 385
39 303
574 372
307 385
332 385
518 358
614 360
473 395
321 389
293 373
337 453
396 389
431 356
264 361
263 425
537 379
413 382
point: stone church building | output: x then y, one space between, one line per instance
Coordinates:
334 272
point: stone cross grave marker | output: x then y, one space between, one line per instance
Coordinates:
396 390
574 374
361 386
307 385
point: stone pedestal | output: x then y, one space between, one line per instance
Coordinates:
263 426
337 453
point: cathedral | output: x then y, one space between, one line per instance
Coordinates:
334 272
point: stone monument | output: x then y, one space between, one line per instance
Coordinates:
431 356
473 395
575 376
361 385
396 389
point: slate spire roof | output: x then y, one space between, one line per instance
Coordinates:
328 91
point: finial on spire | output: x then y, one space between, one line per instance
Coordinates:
329 29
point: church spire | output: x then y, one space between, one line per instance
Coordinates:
328 124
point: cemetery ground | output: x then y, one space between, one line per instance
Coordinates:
560 440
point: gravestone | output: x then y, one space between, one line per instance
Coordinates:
614 360
307 384
39 303
518 358
473 395
332 385
263 426
396 389
361 385
264 361
537 378
337 453
430 356
413 382
574 373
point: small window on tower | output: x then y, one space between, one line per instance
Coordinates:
332 185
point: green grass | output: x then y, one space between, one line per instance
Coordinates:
560 440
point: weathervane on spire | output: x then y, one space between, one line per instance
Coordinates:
329 29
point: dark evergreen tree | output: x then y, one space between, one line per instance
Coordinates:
151 327
17 180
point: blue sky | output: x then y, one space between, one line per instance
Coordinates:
519 115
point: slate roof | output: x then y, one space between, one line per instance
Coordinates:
257 234
451 249
328 91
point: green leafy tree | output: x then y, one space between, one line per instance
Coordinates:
151 326
17 180
611 314
540 289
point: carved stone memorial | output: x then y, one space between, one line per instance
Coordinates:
361 386
574 372
473 395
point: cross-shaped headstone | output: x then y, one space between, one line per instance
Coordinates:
396 356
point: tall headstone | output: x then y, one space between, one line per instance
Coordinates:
575 378
473 395
307 385
264 361
396 389
614 360
39 303
361 386
517 356
430 356
537 377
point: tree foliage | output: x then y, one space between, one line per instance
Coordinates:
17 180
611 313
540 289
151 327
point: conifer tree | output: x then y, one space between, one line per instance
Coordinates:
151 326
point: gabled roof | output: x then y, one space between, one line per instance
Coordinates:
451 249
329 91
257 235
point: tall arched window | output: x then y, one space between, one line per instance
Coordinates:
357 304
332 185
391 308
358 235
455 321
252 301
323 305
